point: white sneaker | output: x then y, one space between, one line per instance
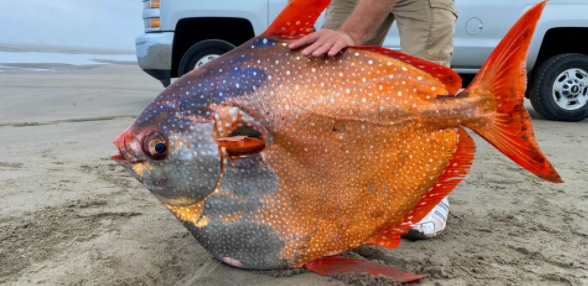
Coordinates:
432 224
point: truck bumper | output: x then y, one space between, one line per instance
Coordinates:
154 55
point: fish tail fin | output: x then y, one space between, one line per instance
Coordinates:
500 87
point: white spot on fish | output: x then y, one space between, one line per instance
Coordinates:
233 262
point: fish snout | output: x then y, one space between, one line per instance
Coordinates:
122 143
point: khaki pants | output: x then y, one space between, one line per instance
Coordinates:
426 26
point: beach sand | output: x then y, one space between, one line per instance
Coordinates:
69 215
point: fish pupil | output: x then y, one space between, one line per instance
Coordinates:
160 148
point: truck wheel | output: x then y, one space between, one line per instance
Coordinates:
202 53
559 89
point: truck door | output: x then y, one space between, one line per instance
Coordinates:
480 27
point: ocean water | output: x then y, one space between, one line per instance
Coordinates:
61 58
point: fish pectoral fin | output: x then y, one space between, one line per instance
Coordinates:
241 145
337 265
238 132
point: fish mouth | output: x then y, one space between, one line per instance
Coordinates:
121 142
122 159
119 157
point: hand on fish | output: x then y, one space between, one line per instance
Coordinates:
325 41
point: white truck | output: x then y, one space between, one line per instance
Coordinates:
181 35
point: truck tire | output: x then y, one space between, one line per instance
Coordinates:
202 53
559 89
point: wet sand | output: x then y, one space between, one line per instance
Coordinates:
69 215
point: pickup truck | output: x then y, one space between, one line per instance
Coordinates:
182 35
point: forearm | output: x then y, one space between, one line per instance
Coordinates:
366 18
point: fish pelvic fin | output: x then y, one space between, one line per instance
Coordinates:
499 88
457 168
297 19
337 265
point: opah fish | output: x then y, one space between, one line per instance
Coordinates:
273 160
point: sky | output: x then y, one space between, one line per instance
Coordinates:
93 23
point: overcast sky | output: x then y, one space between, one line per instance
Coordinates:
97 23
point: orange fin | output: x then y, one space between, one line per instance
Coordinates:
388 239
447 76
333 265
502 81
241 145
297 19
458 167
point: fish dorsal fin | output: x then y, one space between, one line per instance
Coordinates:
447 76
458 167
297 19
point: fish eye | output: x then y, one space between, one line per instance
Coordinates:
155 146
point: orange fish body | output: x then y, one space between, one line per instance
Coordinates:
357 141
320 156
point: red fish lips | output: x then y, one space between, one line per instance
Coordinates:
122 144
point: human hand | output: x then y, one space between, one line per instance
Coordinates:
325 41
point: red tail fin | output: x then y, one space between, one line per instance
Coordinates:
502 82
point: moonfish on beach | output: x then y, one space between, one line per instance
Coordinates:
274 160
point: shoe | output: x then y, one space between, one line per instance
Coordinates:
432 224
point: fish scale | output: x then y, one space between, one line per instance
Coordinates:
274 160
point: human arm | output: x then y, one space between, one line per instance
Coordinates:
363 21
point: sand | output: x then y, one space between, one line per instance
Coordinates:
69 215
